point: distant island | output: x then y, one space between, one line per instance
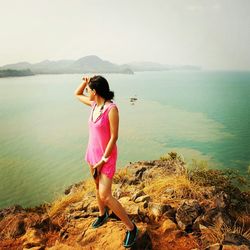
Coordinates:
87 64
12 72
152 66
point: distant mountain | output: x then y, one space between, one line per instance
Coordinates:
95 64
87 64
17 66
92 64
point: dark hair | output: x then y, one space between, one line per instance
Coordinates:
101 86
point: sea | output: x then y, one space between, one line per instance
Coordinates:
204 116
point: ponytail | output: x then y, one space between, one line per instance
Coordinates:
101 86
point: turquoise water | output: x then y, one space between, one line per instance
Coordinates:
202 115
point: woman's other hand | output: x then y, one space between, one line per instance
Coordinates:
86 79
98 166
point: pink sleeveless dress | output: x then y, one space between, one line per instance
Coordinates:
99 136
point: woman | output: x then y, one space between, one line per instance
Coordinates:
101 153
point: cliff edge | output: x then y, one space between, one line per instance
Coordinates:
173 207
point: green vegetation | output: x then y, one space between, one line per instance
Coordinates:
229 181
222 179
172 156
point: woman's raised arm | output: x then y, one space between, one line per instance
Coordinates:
79 92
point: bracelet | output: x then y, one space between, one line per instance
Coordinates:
104 159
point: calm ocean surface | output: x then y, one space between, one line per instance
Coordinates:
44 133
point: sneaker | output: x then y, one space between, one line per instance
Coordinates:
100 220
130 237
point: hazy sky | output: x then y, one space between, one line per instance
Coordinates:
214 34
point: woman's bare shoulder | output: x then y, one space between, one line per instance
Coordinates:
113 110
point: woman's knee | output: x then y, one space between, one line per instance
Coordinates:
105 196
105 192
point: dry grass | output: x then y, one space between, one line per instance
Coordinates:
244 229
244 219
63 201
182 187
122 175
212 234
216 232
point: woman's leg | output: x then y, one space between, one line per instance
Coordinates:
106 197
101 204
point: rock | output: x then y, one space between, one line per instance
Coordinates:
215 246
124 200
245 196
81 205
18 227
12 226
211 217
187 213
156 210
61 246
93 207
221 200
45 224
169 192
233 247
143 213
204 230
143 198
11 210
68 189
235 239
33 238
131 208
137 194
90 194
149 163
34 248
140 172
170 213
118 193
172 166
208 193
168 225
72 188
63 233
133 181
76 215
111 236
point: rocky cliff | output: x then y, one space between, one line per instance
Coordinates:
174 208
